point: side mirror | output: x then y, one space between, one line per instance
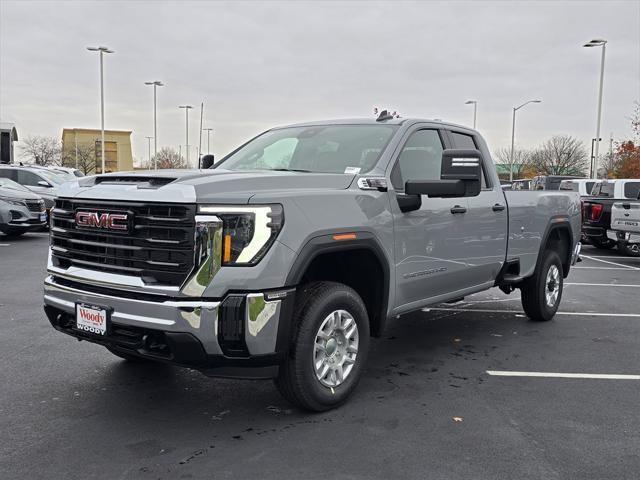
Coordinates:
460 176
42 183
207 161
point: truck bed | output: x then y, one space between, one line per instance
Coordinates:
529 214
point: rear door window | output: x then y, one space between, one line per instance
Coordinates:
631 190
9 173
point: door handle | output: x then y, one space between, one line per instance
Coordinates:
458 209
498 208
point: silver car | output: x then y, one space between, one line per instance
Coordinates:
20 209
41 181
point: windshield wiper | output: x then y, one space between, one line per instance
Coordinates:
290 170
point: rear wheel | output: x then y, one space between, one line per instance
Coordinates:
604 244
541 293
629 249
329 347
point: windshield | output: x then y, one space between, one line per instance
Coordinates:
322 149
11 185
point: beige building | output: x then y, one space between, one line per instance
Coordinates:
82 147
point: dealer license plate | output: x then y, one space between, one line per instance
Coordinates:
92 318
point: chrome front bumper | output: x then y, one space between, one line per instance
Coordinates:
258 317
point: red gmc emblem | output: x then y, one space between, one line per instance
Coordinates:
110 221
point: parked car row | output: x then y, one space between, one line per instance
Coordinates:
28 193
20 209
611 216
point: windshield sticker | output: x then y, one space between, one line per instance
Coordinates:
352 170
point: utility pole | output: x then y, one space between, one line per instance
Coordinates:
513 133
156 84
149 142
208 130
186 111
598 43
101 50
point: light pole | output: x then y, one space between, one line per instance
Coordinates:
208 130
149 142
475 110
102 51
186 111
513 133
156 84
598 42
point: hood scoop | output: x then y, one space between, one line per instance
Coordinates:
141 181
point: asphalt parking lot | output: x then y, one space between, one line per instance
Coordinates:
426 408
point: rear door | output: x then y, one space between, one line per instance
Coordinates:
429 242
486 222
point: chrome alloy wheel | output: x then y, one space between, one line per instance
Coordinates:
335 348
552 286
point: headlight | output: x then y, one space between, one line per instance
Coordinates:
12 201
247 231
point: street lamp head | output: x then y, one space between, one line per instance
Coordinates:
536 101
470 102
595 42
157 83
185 106
100 49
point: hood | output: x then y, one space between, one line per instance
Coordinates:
215 185
16 194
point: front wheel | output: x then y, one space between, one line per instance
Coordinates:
329 347
541 293
629 249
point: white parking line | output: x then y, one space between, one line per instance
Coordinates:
498 373
517 312
609 256
623 285
611 263
604 268
5 244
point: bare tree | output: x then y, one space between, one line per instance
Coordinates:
521 161
82 157
167 158
41 150
561 155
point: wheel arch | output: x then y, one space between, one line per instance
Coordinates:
558 236
359 263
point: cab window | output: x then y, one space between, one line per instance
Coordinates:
420 159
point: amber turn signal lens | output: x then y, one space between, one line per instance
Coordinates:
344 236
226 250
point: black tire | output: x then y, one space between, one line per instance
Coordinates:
14 233
297 380
533 290
630 250
129 357
606 244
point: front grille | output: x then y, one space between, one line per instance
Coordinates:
158 248
35 205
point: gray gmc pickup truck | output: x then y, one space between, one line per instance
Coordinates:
283 259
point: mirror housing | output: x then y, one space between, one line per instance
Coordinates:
207 161
460 176
42 183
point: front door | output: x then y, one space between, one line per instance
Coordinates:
429 242
485 241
